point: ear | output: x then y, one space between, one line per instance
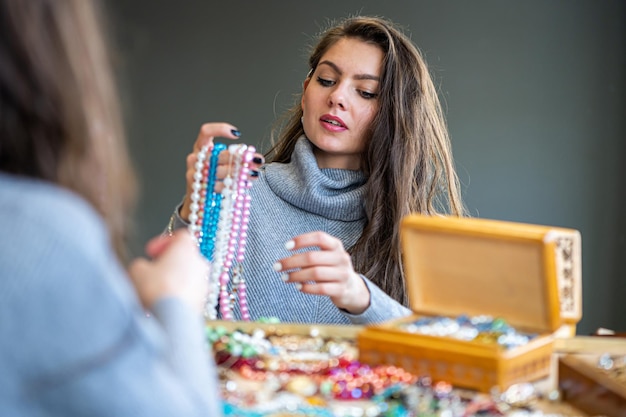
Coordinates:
305 84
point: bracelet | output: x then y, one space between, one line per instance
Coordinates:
169 231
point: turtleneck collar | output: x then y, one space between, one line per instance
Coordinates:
336 194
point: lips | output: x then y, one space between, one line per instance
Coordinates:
333 121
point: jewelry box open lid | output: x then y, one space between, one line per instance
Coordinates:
530 275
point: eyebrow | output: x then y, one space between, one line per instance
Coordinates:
357 76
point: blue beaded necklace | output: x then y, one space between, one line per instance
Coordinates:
212 206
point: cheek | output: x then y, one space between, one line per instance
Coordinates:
366 116
365 121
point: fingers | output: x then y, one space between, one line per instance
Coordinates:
257 160
324 269
225 166
180 241
209 131
322 240
177 269
157 245
320 280
314 265
138 268
331 251
334 290
331 263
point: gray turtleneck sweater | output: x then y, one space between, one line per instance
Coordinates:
295 198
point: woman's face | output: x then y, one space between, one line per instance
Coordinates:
340 100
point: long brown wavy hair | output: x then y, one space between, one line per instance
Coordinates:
408 159
60 118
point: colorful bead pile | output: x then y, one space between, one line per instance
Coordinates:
219 222
276 374
354 380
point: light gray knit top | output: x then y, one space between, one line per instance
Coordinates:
74 339
295 198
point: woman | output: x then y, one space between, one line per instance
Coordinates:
74 336
366 145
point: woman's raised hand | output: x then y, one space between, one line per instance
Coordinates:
207 133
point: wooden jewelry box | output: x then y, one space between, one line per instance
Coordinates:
528 275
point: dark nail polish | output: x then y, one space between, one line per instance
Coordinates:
235 132
254 173
258 160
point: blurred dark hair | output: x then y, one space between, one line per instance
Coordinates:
60 118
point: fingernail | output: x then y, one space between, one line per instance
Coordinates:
254 173
298 286
277 267
258 160
284 277
235 132
290 245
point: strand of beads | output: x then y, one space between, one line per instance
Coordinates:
242 205
220 255
219 222
230 220
208 202
198 195
210 226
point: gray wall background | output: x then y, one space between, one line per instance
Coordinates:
534 93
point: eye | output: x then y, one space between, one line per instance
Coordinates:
367 95
324 82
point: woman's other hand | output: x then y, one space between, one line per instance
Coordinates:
327 271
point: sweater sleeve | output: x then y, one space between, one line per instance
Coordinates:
79 342
382 307
185 338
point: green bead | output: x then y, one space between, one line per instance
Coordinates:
499 324
268 320
326 388
235 349
211 335
248 351
221 331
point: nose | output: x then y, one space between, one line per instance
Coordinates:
337 97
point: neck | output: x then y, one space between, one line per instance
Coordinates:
324 160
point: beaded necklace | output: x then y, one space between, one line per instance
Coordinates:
219 223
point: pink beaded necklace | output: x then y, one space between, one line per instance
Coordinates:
219 223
